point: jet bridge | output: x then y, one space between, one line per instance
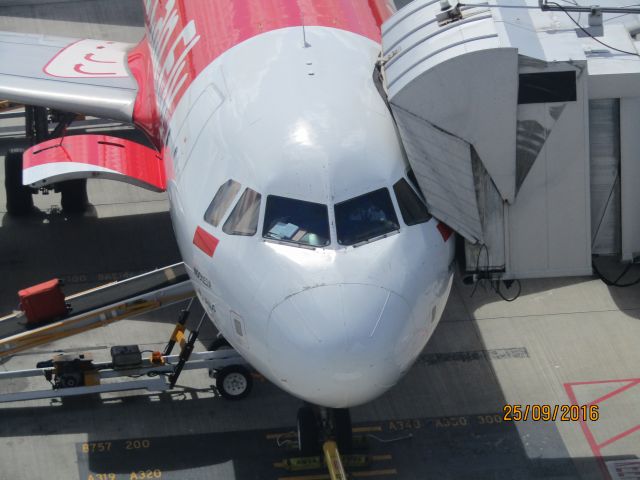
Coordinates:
522 130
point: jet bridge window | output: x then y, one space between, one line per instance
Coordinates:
244 216
547 87
296 221
411 207
221 202
365 217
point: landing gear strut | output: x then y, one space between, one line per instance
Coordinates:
19 197
317 425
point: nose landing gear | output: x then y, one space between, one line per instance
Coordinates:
329 427
319 424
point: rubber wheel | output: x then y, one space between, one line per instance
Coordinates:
308 432
219 343
74 195
19 197
234 382
69 381
342 429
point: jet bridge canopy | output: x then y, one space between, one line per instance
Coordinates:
494 105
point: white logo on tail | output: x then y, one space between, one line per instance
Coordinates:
90 59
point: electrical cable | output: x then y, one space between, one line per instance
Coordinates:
606 207
473 292
495 284
589 33
390 440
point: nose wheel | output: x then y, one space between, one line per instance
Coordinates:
317 425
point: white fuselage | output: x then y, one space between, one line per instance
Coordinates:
295 112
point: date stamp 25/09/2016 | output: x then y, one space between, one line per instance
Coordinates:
550 413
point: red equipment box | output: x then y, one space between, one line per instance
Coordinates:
43 302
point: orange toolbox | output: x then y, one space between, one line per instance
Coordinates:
43 302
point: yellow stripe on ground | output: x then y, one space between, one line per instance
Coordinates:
307 477
367 474
292 434
376 428
375 473
380 458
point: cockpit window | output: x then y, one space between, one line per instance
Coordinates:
411 207
244 216
365 217
221 202
296 221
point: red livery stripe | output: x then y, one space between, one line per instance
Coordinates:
205 241
185 36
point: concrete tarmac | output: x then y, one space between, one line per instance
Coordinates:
562 342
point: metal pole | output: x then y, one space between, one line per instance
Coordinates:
186 353
182 320
544 6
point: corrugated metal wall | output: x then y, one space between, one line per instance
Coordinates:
604 146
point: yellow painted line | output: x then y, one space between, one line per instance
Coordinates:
307 477
367 474
376 428
381 458
375 473
292 434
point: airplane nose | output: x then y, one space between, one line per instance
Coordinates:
339 345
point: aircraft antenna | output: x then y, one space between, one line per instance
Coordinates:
304 36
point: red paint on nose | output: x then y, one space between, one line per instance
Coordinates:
445 230
205 241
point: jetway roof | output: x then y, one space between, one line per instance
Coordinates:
462 76
550 36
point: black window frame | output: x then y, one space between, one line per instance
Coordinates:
298 243
221 202
239 204
372 237
405 208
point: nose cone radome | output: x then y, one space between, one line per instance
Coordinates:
339 345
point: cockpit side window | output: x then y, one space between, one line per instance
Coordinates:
365 217
296 221
244 216
221 202
411 207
